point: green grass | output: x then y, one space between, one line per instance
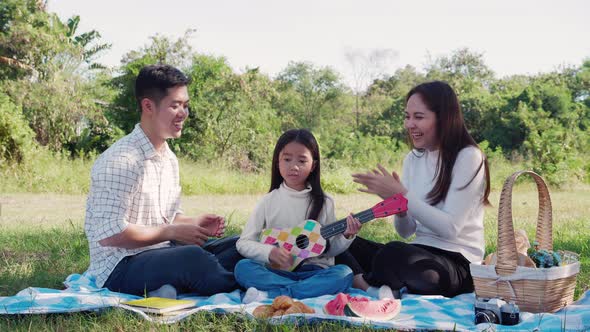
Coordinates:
48 172
119 320
43 241
57 174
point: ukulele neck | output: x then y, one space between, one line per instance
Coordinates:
339 226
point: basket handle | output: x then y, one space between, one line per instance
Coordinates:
507 255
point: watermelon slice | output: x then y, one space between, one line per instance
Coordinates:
374 310
336 306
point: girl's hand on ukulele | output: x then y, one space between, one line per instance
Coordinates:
353 226
280 257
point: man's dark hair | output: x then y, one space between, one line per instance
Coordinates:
154 81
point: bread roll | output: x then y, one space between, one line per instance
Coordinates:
282 302
263 311
279 312
303 308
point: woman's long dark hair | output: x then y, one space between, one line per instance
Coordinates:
452 134
305 138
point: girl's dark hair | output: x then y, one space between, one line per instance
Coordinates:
452 134
306 138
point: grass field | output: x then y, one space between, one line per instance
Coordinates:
43 242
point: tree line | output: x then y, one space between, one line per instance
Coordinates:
54 96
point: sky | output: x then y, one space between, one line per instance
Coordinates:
514 36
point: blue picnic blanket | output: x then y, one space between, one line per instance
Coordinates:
418 312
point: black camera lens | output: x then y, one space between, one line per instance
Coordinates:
510 318
486 316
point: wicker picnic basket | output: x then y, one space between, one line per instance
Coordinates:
532 289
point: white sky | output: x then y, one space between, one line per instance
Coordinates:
515 36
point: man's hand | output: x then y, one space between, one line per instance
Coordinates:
280 257
213 223
188 233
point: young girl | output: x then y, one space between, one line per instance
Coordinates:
446 181
295 195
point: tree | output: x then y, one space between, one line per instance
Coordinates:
583 93
232 114
37 44
464 70
16 138
305 90
124 112
365 68
86 41
387 97
162 49
29 39
468 74
583 80
398 84
503 127
43 61
57 110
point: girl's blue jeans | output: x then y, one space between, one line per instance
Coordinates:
306 281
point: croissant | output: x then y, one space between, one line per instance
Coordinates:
282 302
279 312
302 308
282 305
263 311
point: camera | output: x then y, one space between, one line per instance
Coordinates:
496 311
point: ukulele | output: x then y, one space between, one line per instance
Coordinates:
309 238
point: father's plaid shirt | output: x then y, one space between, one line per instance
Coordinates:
130 183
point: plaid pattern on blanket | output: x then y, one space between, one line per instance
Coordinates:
418 312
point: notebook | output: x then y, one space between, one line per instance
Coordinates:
158 305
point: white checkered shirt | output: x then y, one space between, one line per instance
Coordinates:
130 183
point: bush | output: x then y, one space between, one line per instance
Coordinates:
97 137
55 109
16 138
360 151
46 171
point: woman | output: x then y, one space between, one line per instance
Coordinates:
446 181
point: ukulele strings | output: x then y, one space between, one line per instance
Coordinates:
336 228
340 226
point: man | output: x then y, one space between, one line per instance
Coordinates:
133 216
